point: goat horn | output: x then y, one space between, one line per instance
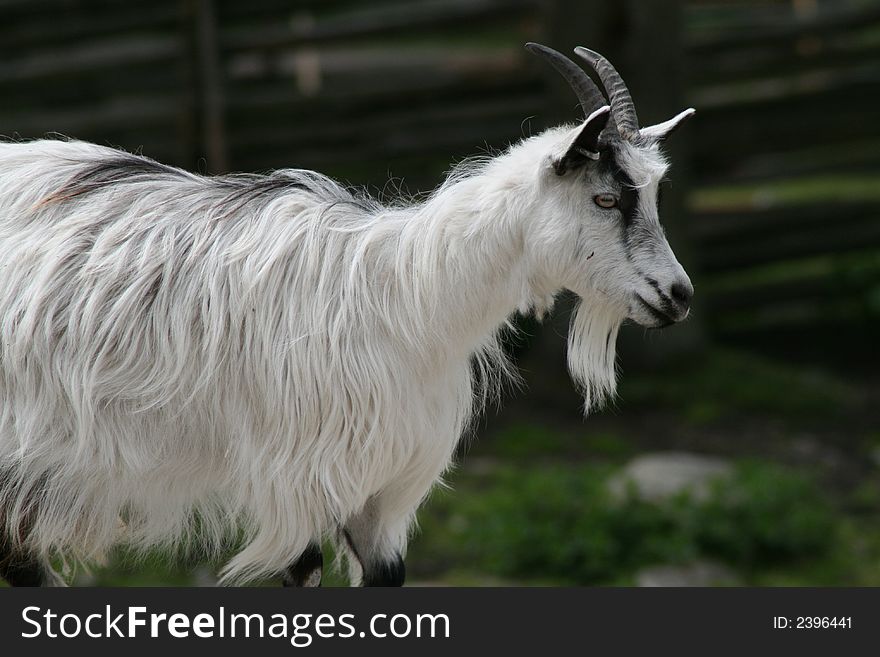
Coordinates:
587 92
622 107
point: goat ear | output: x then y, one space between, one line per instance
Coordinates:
582 143
663 130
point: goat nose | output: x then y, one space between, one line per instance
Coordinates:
681 293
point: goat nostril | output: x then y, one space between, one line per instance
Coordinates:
682 293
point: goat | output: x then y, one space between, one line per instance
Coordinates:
183 355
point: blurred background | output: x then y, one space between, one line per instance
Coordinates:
744 447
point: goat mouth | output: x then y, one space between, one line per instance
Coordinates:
663 319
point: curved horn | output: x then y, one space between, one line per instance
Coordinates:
618 95
587 92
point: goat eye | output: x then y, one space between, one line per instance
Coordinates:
606 201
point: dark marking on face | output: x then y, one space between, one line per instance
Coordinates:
668 307
662 317
629 203
629 194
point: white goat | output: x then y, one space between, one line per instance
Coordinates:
182 355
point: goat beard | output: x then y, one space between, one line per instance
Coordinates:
592 349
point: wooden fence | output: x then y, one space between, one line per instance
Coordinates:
784 167
786 202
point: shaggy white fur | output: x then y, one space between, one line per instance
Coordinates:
181 355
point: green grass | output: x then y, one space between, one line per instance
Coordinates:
558 524
852 560
529 442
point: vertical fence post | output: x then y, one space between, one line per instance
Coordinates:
210 83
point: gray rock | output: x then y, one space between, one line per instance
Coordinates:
656 477
204 577
699 573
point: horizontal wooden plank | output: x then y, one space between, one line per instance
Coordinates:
724 137
86 24
129 113
385 20
235 11
17 8
791 27
90 58
339 108
711 19
800 242
749 223
754 64
80 92
794 315
856 156
771 90
816 290
341 79
465 130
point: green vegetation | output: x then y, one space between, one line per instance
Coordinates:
563 523
529 442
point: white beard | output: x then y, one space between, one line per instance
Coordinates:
592 342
